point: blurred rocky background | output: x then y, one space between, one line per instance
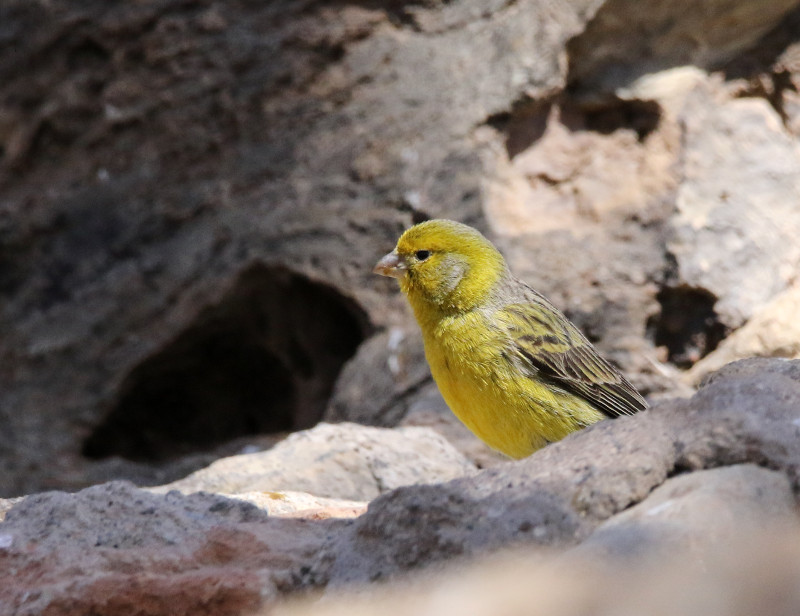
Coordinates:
193 194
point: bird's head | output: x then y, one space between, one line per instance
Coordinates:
444 263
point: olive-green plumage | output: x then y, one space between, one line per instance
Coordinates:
509 364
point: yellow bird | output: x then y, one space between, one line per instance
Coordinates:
508 363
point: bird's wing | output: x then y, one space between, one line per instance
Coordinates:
549 347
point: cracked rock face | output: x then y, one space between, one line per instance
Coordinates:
192 197
184 148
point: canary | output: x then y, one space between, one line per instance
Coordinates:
508 363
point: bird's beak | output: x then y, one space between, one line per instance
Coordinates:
390 265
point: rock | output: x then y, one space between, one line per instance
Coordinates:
375 386
734 231
6 504
115 549
788 64
773 331
573 178
754 574
674 483
288 504
561 191
167 228
614 51
689 515
746 413
220 180
342 461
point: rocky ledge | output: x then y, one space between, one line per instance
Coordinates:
674 495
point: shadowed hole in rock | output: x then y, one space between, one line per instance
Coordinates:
528 121
87 53
523 125
765 69
263 360
641 116
687 324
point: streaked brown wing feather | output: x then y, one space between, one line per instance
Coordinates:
552 348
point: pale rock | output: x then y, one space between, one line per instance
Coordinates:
738 171
691 514
342 461
289 504
6 504
573 179
737 219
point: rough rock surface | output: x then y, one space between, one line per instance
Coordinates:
192 196
689 515
747 575
684 477
381 396
732 233
747 413
208 169
115 549
345 461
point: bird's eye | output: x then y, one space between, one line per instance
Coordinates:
422 254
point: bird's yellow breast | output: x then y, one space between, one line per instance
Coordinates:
512 412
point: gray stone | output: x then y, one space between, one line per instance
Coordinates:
749 412
693 514
317 136
115 549
375 386
345 461
165 221
615 50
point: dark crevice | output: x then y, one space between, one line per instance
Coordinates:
527 122
639 115
687 324
523 126
263 360
87 54
418 216
763 68
766 55
771 88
